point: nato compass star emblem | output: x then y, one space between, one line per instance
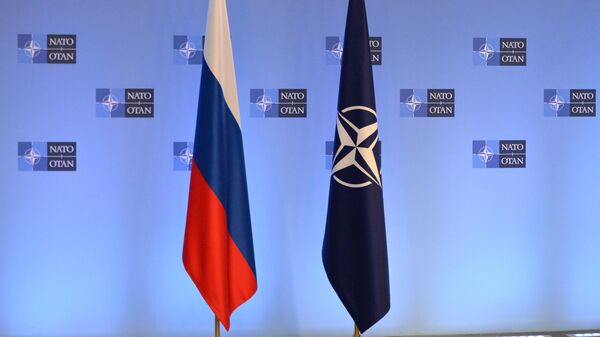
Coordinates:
110 103
413 102
338 50
354 162
187 50
485 154
32 156
186 156
32 48
264 103
556 102
486 51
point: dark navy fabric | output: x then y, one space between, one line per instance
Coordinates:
354 248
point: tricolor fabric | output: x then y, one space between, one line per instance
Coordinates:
218 252
354 248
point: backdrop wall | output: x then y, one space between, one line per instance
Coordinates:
97 251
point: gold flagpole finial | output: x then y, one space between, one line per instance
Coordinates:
356 331
217 327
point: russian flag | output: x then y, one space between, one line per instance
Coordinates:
218 252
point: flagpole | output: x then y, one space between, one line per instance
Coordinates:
356 331
217 327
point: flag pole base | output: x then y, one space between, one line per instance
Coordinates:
356 331
217 327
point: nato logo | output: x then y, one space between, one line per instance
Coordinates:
126 103
570 102
278 103
334 48
187 49
499 153
426 102
51 48
329 145
47 156
499 51
183 156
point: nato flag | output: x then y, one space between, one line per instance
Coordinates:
354 248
